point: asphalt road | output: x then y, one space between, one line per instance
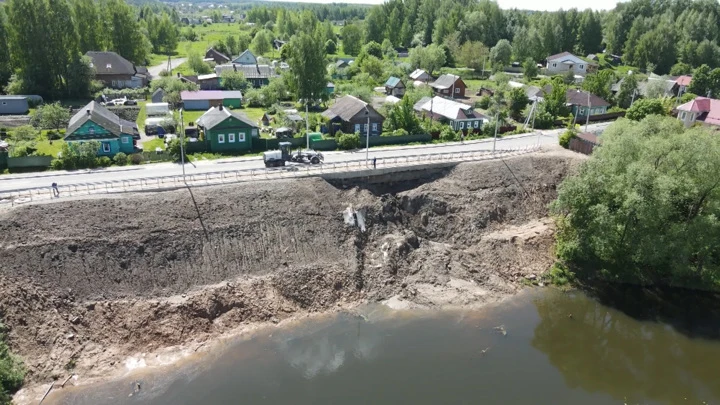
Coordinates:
45 179
155 70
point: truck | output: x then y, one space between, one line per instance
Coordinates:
275 158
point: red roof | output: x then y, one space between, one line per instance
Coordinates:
683 80
709 109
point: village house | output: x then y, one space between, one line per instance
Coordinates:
460 116
668 86
245 58
582 103
158 96
218 57
116 72
204 99
256 75
96 123
349 114
419 75
683 82
567 62
226 131
394 87
449 86
702 110
205 82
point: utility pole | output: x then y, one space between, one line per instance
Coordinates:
182 146
497 121
307 125
587 120
367 139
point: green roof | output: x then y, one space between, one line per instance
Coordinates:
392 81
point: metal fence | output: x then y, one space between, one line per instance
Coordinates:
22 196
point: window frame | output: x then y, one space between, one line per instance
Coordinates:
231 138
221 138
106 147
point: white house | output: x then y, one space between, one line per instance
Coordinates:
564 62
420 75
702 109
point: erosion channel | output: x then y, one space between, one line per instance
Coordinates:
86 283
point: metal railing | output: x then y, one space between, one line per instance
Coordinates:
21 196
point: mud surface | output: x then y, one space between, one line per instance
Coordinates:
84 284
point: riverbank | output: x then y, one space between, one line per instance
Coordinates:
88 284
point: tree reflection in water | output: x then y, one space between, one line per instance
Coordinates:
599 349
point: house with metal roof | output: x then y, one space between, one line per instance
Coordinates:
420 75
564 62
204 99
227 131
349 114
117 72
582 103
246 58
17 105
460 116
96 123
702 109
216 56
256 75
394 86
449 86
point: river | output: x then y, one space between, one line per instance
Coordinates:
540 347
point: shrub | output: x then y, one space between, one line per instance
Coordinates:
56 164
400 132
349 141
121 159
104 161
53 135
12 372
483 103
136 158
566 137
448 134
559 275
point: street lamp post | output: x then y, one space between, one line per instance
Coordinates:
307 124
497 121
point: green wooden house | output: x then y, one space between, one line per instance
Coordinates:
96 123
227 131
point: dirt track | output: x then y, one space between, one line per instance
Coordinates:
89 282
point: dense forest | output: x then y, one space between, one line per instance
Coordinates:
47 38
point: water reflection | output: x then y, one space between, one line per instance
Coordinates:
599 349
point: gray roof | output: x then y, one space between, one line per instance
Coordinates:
346 108
249 71
449 109
418 106
110 63
215 116
294 117
103 117
445 81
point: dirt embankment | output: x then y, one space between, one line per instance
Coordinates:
85 283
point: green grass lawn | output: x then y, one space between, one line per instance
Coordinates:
149 146
47 148
207 36
142 115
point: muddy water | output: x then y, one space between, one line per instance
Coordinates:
542 347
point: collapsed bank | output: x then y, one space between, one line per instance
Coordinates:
86 283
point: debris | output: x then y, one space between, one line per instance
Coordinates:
501 329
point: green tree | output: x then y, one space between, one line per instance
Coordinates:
371 49
88 22
125 35
627 214
166 36
231 45
518 100
430 58
5 64
472 55
351 39
172 87
646 106
599 83
52 116
372 66
79 77
700 83
530 69
628 90
348 141
243 42
330 47
12 371
262 43
589 36
501 53
375 25
197 64
308 77
402 116
680 69
233 80
388 51
555 103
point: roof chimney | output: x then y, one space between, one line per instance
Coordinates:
178 74
88 111
220 107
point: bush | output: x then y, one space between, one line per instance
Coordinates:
644 107
400 132
136 158
56 164
12 372
349 141
448 134
559 275
53 135
104 161
566 137
483 103
121 159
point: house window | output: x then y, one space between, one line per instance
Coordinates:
254 133
241 136
554 64
108 66
106 147
476 124
4 102
357 127
683 115
91 130
374 126
114 83
581 66
231 138
125 139
457 90
221 138
462 125
445 91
